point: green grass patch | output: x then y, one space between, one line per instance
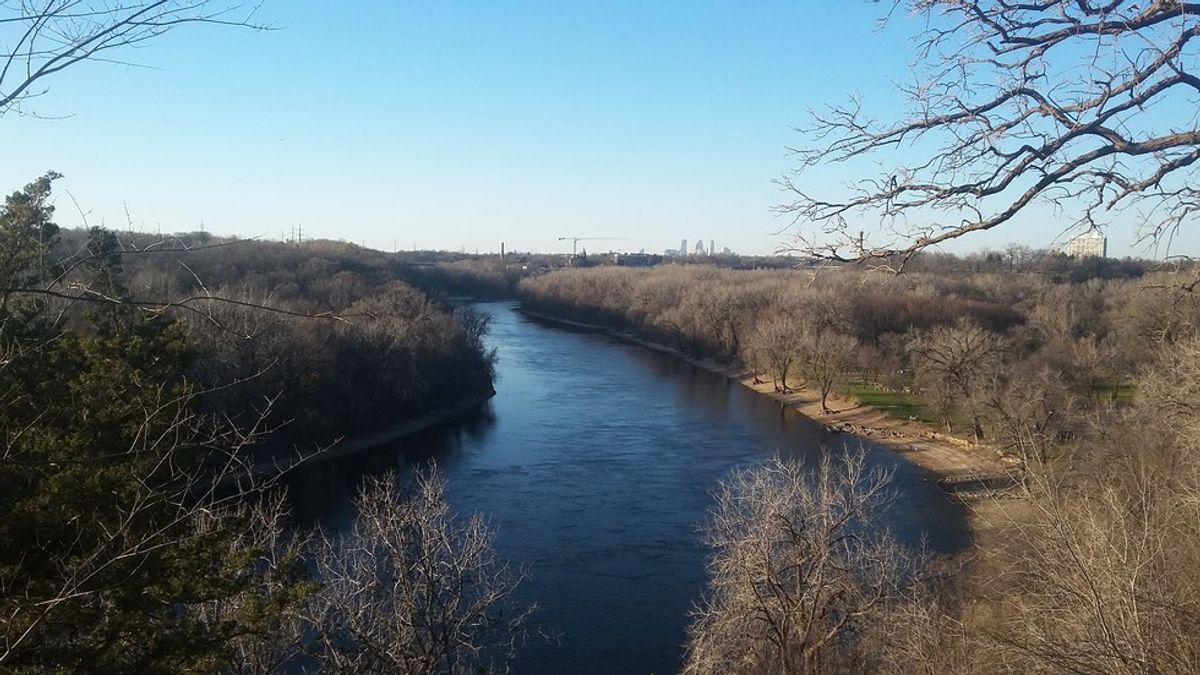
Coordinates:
1114 392
1125 392
894 403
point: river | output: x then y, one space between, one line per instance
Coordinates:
596 462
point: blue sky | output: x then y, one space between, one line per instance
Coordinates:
460 125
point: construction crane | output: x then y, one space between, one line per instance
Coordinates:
575 241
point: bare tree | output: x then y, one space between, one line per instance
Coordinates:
1097 363
826 356
1015 104
1030 411
773 344
39 38
1169 391
951 361
280 585
720 314
410 589
1104 576
799 561
925 633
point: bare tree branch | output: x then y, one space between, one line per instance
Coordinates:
39 38
1014 105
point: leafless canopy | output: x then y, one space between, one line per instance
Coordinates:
38 38
1085 106
799 562
411 589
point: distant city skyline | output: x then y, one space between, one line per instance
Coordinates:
456 126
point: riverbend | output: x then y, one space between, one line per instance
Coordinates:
596 461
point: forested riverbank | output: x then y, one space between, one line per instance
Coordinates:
331 335
1086 384
145 385
961 346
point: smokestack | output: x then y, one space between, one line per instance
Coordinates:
502 250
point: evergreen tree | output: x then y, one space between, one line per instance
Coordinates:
116 530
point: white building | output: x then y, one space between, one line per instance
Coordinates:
1090 243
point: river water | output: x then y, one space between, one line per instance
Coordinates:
596 462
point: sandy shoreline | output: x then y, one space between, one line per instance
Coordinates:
961 467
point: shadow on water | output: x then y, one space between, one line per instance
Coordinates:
322 494
595 462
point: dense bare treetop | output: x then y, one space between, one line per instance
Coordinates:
1085 105
39 38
